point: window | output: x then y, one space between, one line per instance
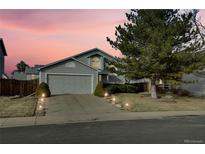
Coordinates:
70 65
95 62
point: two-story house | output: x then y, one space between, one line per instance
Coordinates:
2 60
79 74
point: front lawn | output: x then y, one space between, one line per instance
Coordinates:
17 107
142 102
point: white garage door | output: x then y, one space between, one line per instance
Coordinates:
70 84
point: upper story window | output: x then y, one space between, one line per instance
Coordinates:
95 61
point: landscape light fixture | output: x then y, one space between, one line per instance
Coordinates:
106 94
113 99
42 99
43 95
40 107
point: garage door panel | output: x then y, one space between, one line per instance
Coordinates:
70 84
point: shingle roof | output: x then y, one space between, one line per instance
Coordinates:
91 50
3 47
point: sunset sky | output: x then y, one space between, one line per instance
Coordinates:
44 36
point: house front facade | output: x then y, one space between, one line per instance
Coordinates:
79 74
2 59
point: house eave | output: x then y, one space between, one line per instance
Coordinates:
3 47
85 52
60 61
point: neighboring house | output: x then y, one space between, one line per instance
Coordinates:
79 74
2 60
31 73
197 87
18 75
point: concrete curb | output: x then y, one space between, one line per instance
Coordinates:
46 120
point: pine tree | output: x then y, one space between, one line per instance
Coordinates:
159 44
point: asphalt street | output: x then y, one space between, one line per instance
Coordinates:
189 129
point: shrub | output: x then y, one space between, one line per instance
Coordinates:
160 90
115 88
99 90
181 92
123 88
132 89
43 88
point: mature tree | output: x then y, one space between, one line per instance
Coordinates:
159 44
21 66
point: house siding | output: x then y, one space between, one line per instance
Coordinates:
31 76
84 59
23 76
197 88
19 76
61 68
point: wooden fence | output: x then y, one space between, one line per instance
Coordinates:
11 87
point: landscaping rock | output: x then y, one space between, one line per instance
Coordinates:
118 105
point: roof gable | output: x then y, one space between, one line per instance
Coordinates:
75 56
3 49
93 52
63 60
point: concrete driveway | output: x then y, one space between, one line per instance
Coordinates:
81 105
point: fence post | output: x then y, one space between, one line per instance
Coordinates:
0 86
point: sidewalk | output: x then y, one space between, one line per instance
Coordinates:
45 120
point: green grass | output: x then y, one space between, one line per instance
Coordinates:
17 107
143 103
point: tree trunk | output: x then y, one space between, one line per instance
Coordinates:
153 89
149 86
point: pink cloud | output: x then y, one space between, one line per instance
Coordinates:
46 21
201 16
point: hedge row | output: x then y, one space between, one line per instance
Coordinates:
125 88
